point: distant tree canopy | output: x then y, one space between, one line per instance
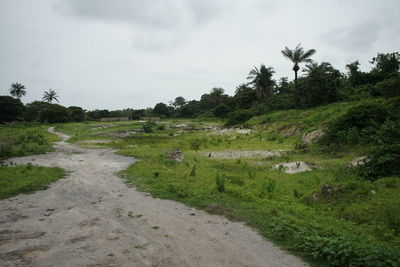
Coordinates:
33 110
319 84
262 82
161 109
53 113
11 109
76 113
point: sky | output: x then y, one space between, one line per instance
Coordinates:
101 54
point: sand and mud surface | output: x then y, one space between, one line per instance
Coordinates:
91 218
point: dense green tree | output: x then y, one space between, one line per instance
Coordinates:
55 113
386 63
179 102
355 76
297 56
161 109
321 85
76 113
191 109
216 97
17 90
262 81
33 110
221 110
11 109
50 96
244 96
283 86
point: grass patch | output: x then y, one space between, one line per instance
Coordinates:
26 179
22 140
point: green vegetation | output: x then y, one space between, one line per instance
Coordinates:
26 179
22 140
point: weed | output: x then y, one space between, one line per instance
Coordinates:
155 227
119 212
251 173
220 183
268 187
144 246
193 171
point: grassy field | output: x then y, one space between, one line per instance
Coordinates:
22 140
328 214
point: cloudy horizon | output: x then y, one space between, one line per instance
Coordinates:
100 54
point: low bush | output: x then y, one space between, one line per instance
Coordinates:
238 117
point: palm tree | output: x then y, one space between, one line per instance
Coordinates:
262 81
297 56
17 90
50 96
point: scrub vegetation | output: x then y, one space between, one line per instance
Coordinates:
24 140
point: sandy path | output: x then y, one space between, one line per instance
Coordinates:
91 218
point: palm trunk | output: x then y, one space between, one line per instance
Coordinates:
296 94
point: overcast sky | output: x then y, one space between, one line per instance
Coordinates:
135 53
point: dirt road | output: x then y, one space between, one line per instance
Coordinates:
91 218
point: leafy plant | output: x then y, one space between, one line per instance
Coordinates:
220 182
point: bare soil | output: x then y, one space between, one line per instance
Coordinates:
91 218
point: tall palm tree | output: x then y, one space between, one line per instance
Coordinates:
17 90
262 81
50 96
297 56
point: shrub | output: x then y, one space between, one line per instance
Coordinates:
10 109
221 110
357 124
161 127
193 171
220 182
6 147
148 126
77 113
238 117
268 187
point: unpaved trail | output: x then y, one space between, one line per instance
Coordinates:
91 218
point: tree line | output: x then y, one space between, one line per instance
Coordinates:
321 84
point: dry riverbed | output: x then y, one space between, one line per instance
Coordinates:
91 218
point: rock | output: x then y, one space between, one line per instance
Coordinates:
289 132
358 161
312 137
293 167
177 155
